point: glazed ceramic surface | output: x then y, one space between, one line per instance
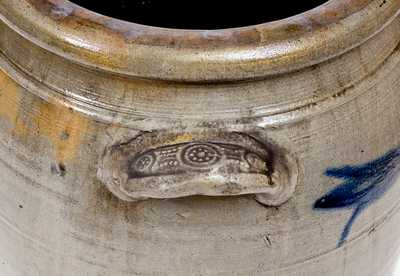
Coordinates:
264 150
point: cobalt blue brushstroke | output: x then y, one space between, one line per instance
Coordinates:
362 185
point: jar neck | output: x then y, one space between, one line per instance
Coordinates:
110 96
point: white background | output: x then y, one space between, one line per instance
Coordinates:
397 273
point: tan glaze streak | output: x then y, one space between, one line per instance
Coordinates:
63 127
98 51
10 99
183 138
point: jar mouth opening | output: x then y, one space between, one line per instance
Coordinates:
198 15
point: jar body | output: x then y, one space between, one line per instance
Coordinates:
57 218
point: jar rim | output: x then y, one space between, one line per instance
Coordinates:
244 53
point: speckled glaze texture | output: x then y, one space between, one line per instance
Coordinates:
266 150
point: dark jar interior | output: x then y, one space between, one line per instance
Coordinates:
205 14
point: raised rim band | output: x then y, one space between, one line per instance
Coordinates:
126 48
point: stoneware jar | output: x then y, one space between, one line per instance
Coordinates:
260 149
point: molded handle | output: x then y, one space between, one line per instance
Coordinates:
159 165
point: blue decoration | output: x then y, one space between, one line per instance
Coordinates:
362 185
